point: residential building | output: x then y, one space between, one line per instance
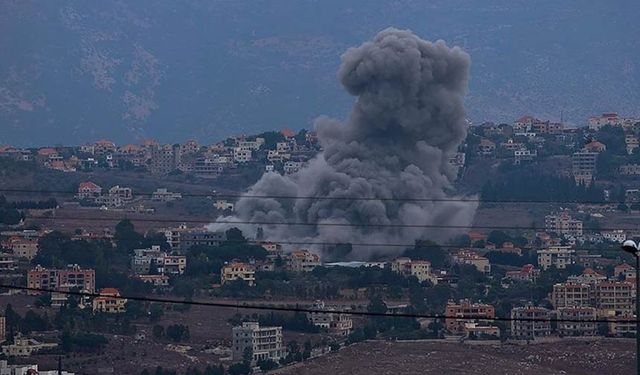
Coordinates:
274 249
155 280
530 322
24 347
23 247
632 142
595 146
164 195
88 190
124 193
264 342
588 276
486 147
608 118
238 271
223 205
153 259
420 269
563 224
468 313
241 156
574 321
164 159
8 263
104 146
291 167
3 329
571 294
527 273
624 270
474 329
558 256
622 325
630 169
618 296
303 261
202 237
71 277
618 236
471 257
109 302
584 166
336 323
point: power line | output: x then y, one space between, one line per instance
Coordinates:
347 198
238 305
367 225
424 246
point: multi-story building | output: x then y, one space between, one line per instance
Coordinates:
164 159
557 256
201 237
303 261
584 166
274 249
124 193
563 224
109 302
241 155
24 347
3 328
291 167
238 271
144 260
468 313
88 190
622 325
8 263
571 294
421 269
164 195
618 296
618 235
575 321
624 270
263 342
23 247
155 280
530 322
588 276
629 170
608 118
72 277
335 323
471 257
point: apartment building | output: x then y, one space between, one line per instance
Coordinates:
527 273
584 166
238 271
618 296
201 237
274 249
72 277
588 276
471 311
573 327
264 342
563 224
303 261
532 322
471 257
23 247
420 269
88 190
571 294
558 256
336 323
109 302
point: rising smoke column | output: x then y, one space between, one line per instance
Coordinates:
408 120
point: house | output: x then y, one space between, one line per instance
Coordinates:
420 269
618 236
629 169
24 347
588 276
530 322
336 323
164 195
155 280
124 193
303 261
624 270
471 257
88 190
563 224
238 271
457 314
527 273
595 146
23 247
607 118
486 147
104 146
274 249
109 302
153 259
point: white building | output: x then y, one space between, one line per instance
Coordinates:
529 322
335 323
615 235
241 156
563 224
264 342
558 256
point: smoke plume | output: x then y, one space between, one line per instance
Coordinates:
406 123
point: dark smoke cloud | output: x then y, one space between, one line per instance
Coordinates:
407 122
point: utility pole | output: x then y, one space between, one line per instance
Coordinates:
632 248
